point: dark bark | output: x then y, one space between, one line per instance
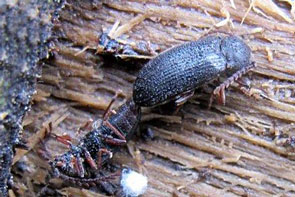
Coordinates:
25 27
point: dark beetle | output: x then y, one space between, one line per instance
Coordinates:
97 146
177 72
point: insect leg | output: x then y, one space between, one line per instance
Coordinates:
90 181
115 130
219 91
79 166
108 124
65 139
108 111
181 99
89 159
100 152
114 141
86 126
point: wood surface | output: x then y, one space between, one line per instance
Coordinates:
240 149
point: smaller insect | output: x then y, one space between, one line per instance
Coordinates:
108 45
177 72
82 160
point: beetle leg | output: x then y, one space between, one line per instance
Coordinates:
90 160
181 99
107 114
79 166
108 111
65 139
86 126
115 141
90 181
100 152
219 91
115 130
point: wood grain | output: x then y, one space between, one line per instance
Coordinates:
239 149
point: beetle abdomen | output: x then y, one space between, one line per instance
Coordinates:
178 70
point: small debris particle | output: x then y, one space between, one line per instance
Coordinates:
133 183
269 54
230 118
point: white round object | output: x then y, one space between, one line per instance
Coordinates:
133 183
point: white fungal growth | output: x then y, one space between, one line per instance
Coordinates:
133 183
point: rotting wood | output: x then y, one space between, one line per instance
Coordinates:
231 150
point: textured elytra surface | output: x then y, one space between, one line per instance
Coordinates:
187 67
231 150
25 27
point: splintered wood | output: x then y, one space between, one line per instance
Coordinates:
244 148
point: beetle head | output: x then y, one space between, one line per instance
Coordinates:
236 52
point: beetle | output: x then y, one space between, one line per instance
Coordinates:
177 72
77 164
